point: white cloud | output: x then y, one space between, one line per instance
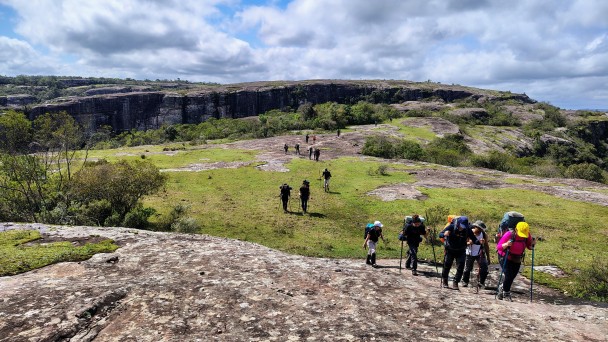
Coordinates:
18 57
518 44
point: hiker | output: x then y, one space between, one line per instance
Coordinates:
286 148
326 176
306 138
314 139
514 242
305 194
285 194
310 150
477 252
317 154
338 132
455 235
298 149
371 241
413 233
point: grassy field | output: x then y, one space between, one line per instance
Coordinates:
17 257
243 203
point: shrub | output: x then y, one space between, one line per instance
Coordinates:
494 160
380 146
586 171
408 149
138 217
187 225
592 282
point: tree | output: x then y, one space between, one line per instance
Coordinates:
15 132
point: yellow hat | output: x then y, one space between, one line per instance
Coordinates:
522 229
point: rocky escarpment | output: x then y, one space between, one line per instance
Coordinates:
142 110
175 287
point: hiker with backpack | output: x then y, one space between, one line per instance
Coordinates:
297 149
317 154
305 195
326 176
455 237
371 240
479 252
285 194
286 148
412 233
511 248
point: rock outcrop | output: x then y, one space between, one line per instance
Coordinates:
142 110
175 287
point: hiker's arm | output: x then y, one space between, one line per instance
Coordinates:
445 232
365 243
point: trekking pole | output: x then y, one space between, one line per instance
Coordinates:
433 246
501 272
401 256
532 274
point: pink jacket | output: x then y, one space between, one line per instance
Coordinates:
518 247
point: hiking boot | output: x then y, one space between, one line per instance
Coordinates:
506 295
414 272
444 283
465 284
369 260
407 267
455 285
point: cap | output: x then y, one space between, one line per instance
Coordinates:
306 182
522 229
463 222
378 224
416 219
480 224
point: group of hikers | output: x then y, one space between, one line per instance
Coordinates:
466 244
313 152
304 192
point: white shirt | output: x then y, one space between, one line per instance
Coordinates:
474 250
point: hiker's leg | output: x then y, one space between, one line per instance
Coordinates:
483 269
414 255
447 264
468 267
510 273
460 258
408 261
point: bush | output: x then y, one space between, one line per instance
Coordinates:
494 160
407 149
586 171
592 282
380 146
187 225
138 217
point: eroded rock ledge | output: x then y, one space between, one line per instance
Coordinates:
175 287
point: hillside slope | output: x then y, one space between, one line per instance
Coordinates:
174 287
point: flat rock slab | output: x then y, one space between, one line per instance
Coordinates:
176 287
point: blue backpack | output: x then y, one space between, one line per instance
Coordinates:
509 220
368 227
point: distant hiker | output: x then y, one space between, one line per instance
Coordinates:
413 232
479 252
514 243
306 138
338 132
455 235
317 154
314 139
297 149
326 176
305 195
310 151
286 148
371 241
285 194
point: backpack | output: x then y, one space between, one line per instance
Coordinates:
368 227
451 219
407 220
509 220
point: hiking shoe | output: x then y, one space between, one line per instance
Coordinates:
455 285
407 267
444 283
507 296
414 272
465 285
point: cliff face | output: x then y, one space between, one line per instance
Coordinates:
144 110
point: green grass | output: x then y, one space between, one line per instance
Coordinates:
243 203
413 133
18 258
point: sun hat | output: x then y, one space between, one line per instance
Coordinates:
522 229
378 224
480 224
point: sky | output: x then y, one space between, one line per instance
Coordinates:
554 51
